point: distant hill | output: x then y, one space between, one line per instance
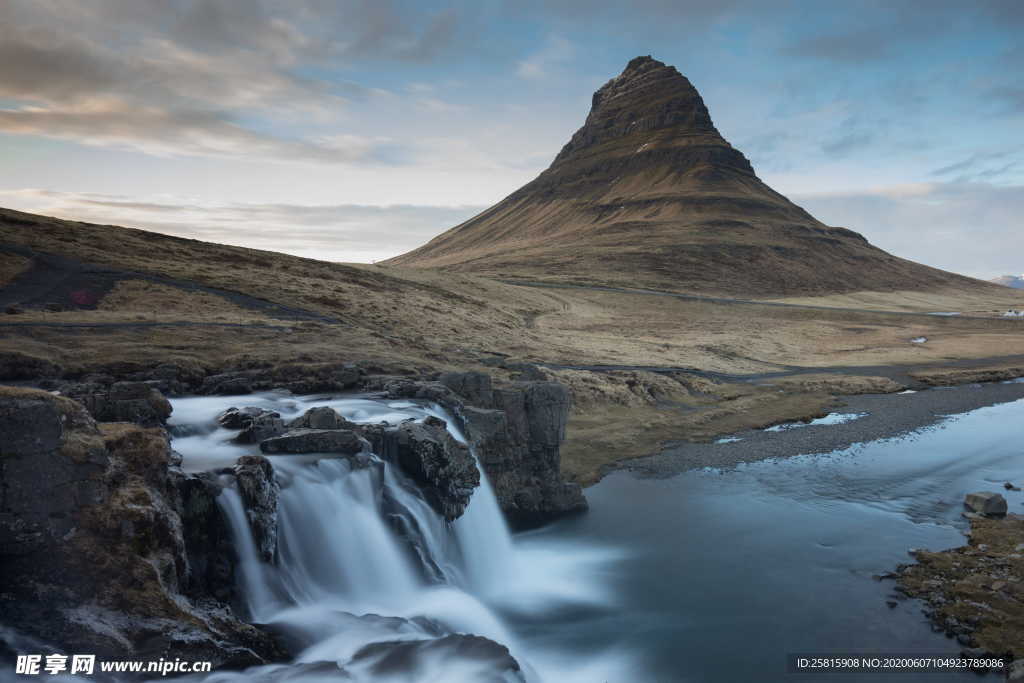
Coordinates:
1015 281
649 194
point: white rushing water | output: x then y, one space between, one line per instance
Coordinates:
362 559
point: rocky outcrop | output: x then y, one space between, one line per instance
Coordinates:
135 402
516 430
255 424
94 553
972 593
298 441
259 492
442 467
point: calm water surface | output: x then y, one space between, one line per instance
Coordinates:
724 572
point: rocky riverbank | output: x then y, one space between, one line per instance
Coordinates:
975 593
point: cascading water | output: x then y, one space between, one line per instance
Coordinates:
363 559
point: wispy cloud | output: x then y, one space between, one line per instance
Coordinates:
219 79
555 52
329 232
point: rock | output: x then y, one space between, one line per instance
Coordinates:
442 467
95 556
474 387
521 454
428 391
239 418
52 462
207 534
259 492
1010 487
315 441
14 309
263 426
1015 672
255 424
451 657
986 503
322 417
135 402
516 431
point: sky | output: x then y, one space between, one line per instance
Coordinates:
357 130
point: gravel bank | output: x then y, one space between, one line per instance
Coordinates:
888 415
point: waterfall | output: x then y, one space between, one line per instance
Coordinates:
362 558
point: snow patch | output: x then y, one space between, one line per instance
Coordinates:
830 419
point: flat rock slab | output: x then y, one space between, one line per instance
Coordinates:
314 441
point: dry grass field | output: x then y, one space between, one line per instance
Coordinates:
218 306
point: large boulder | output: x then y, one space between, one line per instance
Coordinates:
94 554
259 492
52 462
322 417
443 468
987 503
255 424
209 543
135 402
296 441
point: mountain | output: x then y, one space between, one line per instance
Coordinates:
648 194
1015 281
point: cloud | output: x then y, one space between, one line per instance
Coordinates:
973 228
340 232
857 46
556 51
206 77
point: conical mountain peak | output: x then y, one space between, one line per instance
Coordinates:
648 194
647 96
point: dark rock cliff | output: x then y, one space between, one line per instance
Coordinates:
106 546
516 430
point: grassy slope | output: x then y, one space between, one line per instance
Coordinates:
435 320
